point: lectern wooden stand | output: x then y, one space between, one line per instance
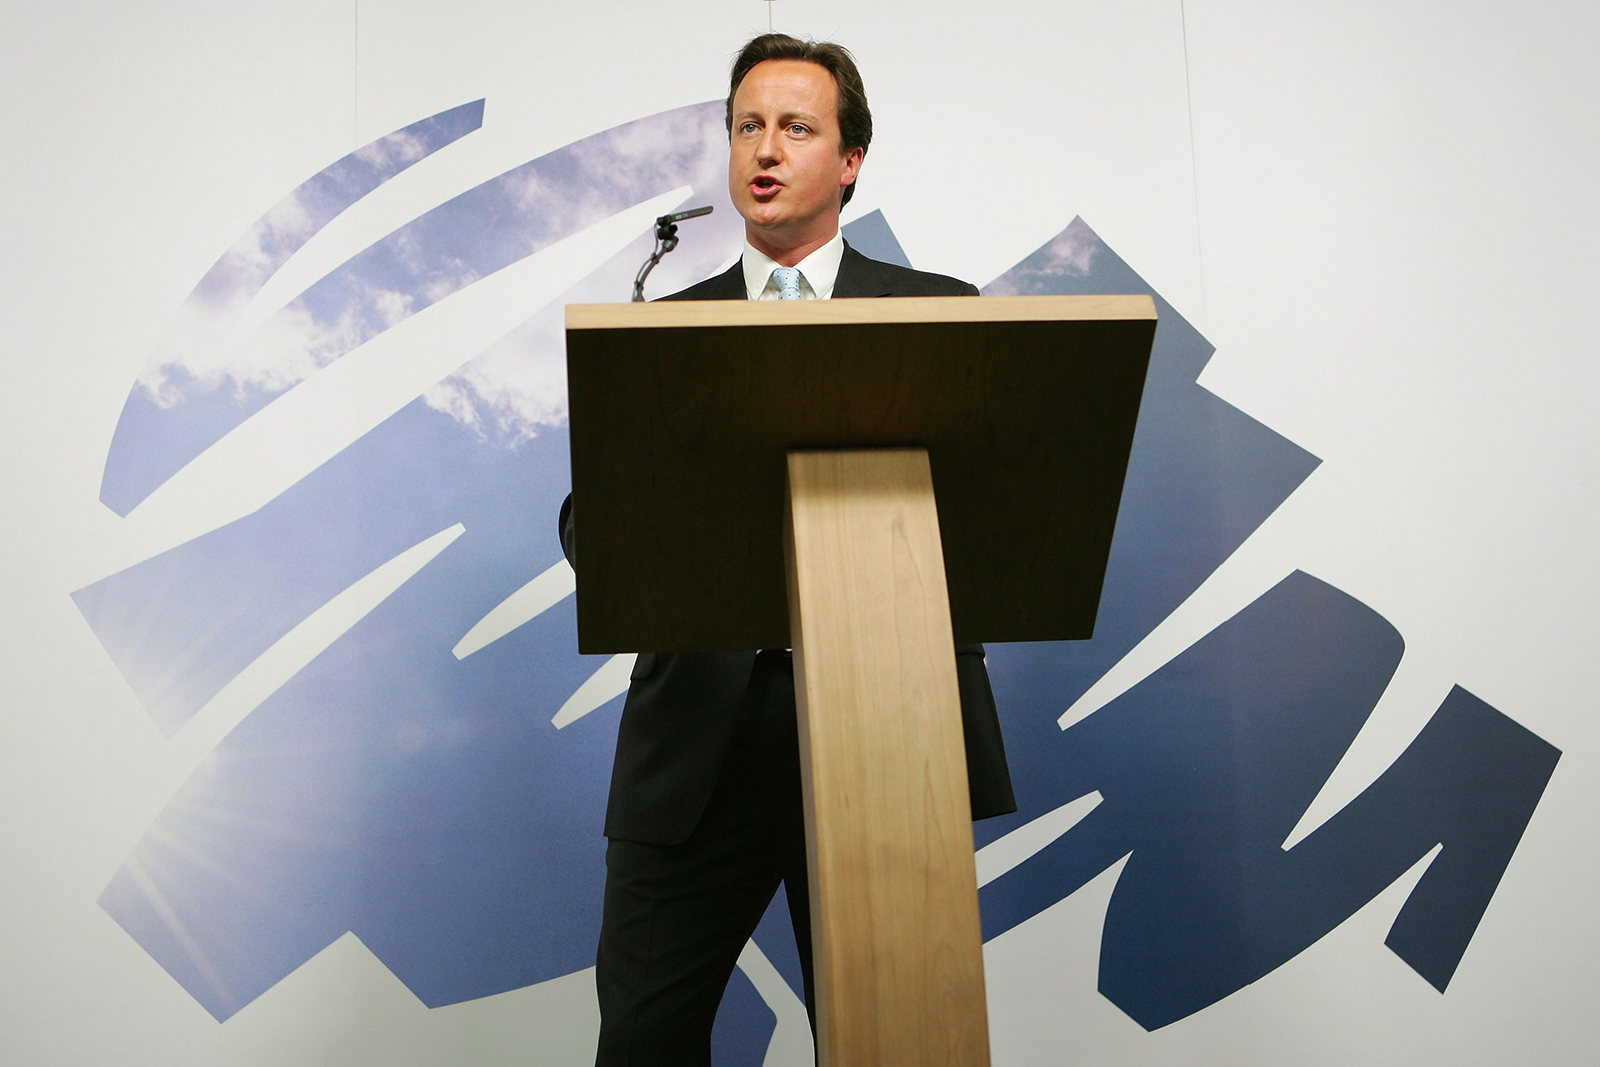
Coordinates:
867 481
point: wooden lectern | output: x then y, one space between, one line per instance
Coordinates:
868 482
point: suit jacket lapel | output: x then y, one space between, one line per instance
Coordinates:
729 285
859 276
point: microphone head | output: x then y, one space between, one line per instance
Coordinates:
679 216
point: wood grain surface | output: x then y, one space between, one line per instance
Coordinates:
682 415
894 896
673 314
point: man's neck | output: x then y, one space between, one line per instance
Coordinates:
786 255
820 271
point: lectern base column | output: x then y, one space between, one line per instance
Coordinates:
897 941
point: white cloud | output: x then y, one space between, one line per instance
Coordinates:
457 277
518 387
264 247
286 349
515 388
401 146
1071 253
391 305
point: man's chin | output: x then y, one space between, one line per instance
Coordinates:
762 215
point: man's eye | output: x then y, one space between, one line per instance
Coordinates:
798 130
748 127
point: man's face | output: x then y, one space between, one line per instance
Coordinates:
785 170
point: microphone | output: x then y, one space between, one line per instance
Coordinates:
692 213
666 241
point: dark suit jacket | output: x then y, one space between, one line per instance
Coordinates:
681 707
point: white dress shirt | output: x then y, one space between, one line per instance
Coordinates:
818 271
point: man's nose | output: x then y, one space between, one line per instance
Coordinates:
770 150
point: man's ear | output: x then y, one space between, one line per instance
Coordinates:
852 166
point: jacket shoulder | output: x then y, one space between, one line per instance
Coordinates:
922 283
860 276
729 285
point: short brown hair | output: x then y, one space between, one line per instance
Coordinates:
855 118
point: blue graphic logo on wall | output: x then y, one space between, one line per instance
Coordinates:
344 482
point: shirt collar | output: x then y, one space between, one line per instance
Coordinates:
819 270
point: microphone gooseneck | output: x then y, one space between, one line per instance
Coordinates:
666 241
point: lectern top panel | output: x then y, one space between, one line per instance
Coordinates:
670 314
683 414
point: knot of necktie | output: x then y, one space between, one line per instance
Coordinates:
788 279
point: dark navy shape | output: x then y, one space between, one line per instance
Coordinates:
428 804
1470 781
1206 767
775 936
1202 477
744 1024
425 803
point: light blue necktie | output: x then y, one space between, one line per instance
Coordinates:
788 279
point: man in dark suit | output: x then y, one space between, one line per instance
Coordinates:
705 818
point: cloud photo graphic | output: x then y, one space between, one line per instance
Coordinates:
362 599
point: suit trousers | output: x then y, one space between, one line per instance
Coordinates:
676 917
